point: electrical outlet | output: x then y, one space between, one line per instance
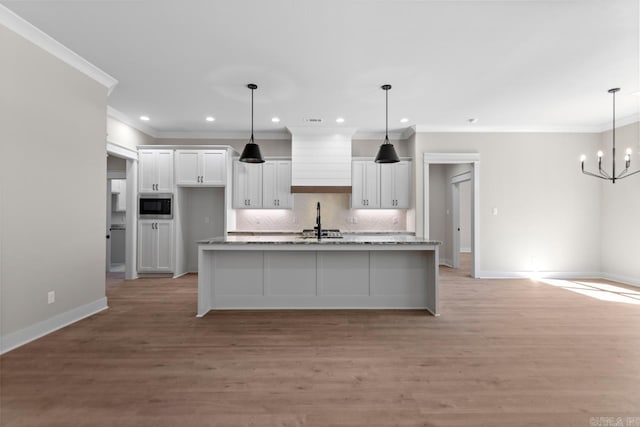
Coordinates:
206 220
294 220
355 220
51 297
494 211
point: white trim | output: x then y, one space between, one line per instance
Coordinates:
461 177
446 262
599 128
632 281
36 36
45 327
116 175
451 158
396 135
113 113
243 135
539 274
120 151
465 250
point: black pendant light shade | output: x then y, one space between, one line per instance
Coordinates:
386 153
251 152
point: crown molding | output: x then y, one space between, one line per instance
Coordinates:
112 112
36 36
504 129
243 135
624 121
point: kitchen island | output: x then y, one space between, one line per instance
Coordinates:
292 272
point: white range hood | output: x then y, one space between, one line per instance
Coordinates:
321 159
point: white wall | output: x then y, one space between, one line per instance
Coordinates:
124 135
548 211
620 205
52 142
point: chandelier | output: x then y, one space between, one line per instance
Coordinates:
602 174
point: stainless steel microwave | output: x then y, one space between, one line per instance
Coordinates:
155 206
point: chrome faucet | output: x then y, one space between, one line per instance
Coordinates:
318 226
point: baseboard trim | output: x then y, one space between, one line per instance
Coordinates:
23 336
446 262
558 275
631 281
539 274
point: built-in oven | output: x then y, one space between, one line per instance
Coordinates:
155 206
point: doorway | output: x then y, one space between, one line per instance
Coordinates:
460 230
121 213
442 206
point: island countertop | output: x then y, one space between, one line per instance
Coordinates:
347 239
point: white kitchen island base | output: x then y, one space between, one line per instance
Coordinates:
312 275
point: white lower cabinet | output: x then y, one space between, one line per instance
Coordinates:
155 246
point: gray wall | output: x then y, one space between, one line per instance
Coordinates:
620 208
53 147
548 211
124 135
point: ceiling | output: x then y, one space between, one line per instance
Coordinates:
513 65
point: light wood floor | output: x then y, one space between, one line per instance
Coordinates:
503 353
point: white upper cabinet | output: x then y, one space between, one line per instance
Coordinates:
247 185
119 188
384 186
200 167
155 171
365 184
395 185
276 185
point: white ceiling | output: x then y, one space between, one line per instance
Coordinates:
519 65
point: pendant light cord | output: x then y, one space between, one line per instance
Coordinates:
614 134
386 121
252 115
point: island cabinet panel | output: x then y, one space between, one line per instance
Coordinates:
290 273
317 275
344 273
236 275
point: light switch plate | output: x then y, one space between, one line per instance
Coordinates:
51 297
494 211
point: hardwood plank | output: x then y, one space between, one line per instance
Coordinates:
503 353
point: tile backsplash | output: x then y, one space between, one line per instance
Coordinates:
336 213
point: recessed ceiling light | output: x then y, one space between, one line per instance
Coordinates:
144 118
210 119
404 120
275 119
339 120
472 121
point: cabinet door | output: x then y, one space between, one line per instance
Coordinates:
358 184
213 170
283 185
372 183
146 246
395 185
164 246
247 185
403 185
147 171
270 185
187 170
164 178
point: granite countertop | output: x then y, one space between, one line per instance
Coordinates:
297 239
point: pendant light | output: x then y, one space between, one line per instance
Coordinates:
602 174
386 153
251 152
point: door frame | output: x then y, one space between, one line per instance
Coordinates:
131 236
457 158
455 182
